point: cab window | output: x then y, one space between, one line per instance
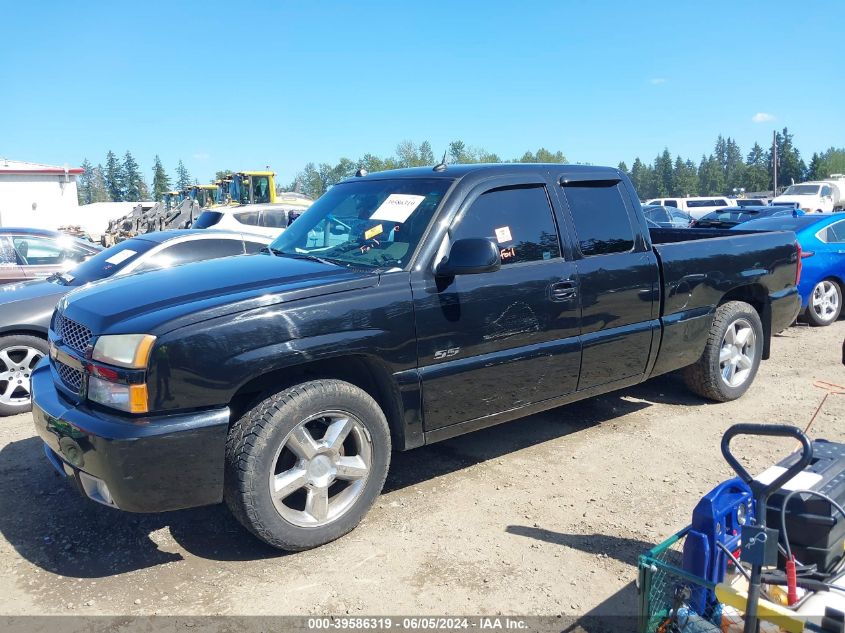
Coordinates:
602 224
518 219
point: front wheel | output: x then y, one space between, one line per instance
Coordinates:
305 465
19 354
731 356
825 303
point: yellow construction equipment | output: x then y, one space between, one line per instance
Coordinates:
253 187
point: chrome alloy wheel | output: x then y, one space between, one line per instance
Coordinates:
739 349
825 301
321 469
16 365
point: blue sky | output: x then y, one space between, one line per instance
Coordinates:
285 83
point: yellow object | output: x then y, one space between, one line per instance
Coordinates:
369 234
138 400
777 594
766 610
142 352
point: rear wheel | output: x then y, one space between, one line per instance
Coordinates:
825 303
731 356
19 354
305 465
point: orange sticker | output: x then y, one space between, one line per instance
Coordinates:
371 233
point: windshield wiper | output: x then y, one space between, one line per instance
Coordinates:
314 258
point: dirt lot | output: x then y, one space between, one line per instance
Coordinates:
543 515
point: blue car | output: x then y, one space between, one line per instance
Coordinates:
822 239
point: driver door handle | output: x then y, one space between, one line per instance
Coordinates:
564 290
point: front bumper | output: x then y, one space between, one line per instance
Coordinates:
150 464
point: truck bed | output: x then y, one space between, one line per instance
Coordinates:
700 267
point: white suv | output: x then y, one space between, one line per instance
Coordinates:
697 206
260 219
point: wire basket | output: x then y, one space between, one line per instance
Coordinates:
666 593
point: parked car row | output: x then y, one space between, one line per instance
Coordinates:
26 306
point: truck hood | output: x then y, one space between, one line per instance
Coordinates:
160 301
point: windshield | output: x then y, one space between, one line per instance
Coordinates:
366 223
801 190
106 263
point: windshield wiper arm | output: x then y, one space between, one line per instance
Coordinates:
309 256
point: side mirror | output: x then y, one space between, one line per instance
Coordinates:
470 256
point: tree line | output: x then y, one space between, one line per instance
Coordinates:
315 179
726 169
718 173
121 180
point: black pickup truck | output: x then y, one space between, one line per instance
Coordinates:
402 308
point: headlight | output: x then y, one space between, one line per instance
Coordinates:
124 350
130 398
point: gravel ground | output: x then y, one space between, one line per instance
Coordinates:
544 515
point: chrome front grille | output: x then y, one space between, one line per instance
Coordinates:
71 378
73 334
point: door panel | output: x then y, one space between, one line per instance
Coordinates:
616 315
619 282
496 341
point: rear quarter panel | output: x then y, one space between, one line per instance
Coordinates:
697 274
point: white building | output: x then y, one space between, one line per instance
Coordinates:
37 196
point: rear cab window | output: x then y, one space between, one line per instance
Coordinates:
600 215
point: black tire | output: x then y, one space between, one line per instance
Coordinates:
705 377
252 451
15 372
810 315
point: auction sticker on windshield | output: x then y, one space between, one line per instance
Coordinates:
122 256
397 207
371 233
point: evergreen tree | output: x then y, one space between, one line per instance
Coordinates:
84 191
734 166
684 178
790 166
183 176
99 189
813 170
642 179
720 153
161 181
711 177
756 171
623 168
135 189
114 177
663 174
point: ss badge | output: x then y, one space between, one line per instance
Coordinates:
446 353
